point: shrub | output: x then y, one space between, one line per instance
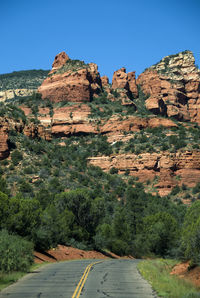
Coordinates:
16 253
113 170
16 157
196 189
175 190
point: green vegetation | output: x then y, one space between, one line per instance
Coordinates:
160 139
16 253
6 279
103 108
157 272
190 241
140 103
120 215
51 194
12 111
25 79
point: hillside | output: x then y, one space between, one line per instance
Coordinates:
94 164
20 83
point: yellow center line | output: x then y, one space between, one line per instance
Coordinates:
83 279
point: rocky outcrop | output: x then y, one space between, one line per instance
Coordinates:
59 61
104 81
165 167
173 87
74 119
37 131
123 80
4 149
12 93
132 123
71 80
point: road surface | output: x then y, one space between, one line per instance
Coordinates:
83 278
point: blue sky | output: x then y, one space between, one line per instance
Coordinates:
111 33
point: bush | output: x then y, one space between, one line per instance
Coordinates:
113 170
16 253
16 157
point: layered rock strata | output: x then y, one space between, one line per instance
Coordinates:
173 87
74 119
165 167
71 80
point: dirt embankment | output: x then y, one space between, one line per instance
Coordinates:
192 275
62 253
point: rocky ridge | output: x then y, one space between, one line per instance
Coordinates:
172 88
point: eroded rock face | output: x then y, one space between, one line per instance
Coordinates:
59 60
4 150
74 119
173 86
104 81
166 166
71 80
123 80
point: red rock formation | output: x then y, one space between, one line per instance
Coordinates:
6 125
174 87
71 80
59 60
166 166
123 80
75 119
132 83
4 150
104 81
37 131
133 123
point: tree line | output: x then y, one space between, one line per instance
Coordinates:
139 224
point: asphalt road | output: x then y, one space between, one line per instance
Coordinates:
108 278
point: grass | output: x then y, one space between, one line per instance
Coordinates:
157 272
6 279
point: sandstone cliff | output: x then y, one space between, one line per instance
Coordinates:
71 80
